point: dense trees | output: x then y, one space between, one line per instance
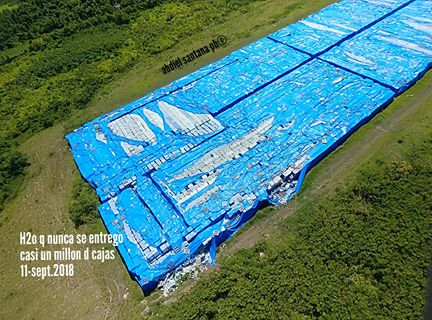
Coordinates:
362 253
56 18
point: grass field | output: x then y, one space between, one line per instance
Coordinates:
105 291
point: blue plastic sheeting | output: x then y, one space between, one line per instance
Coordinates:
395 51
316 33
183 168
255 65
234 77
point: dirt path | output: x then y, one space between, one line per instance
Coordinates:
338 165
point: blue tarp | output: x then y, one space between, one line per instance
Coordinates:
395 51
184 167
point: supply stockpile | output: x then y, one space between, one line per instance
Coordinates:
188 164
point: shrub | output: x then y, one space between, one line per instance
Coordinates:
84 203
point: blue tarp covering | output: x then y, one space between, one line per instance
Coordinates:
183 168
335 23
395 51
